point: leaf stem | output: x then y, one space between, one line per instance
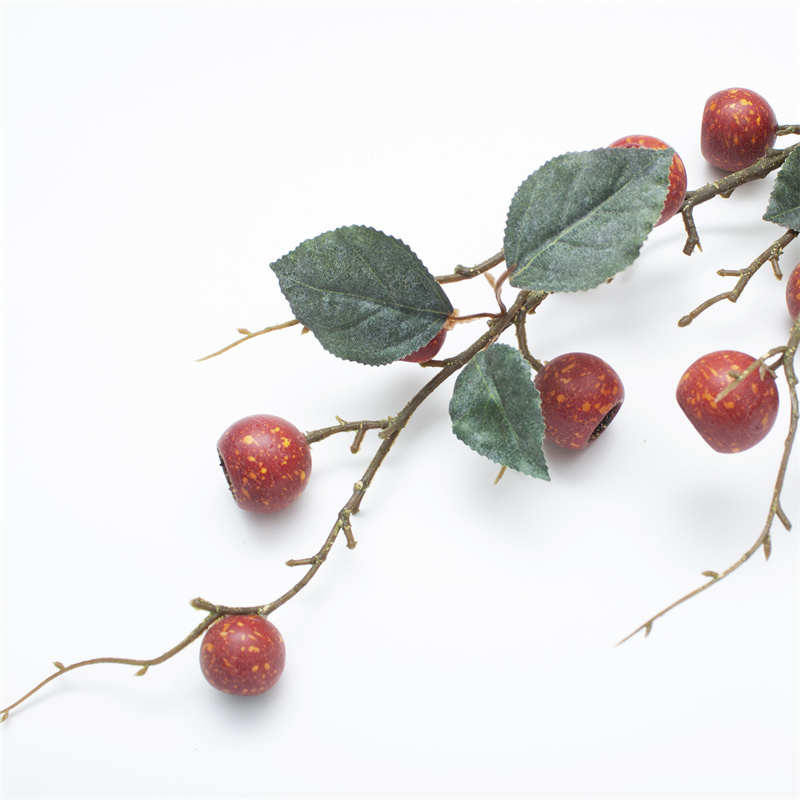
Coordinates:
465 273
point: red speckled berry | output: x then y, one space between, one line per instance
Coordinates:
738 126
740 419
267 462
242 655
793 292
428 351
677 172
580 395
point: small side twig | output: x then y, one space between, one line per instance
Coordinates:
771 255
248 335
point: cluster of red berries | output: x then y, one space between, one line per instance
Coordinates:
267 460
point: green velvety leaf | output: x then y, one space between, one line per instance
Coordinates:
365 295
495 410
583 217
784 202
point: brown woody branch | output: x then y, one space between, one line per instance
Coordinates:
724 187
771 255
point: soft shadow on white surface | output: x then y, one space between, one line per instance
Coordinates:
157 157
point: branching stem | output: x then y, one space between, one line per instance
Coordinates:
724 187
775 509
390 429
770 255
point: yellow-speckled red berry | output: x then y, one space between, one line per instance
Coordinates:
580 396
428 351
242 655
740 419
738 126
267 462
677 172
793 292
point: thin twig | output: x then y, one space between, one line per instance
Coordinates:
248 336
465 273
770 255
143 663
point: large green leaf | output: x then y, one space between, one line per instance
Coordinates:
495 410
365 295
582 217
784 202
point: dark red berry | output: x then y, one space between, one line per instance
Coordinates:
580 396
738 126
740 419
242 655
677 172
267 462
428 351
793 292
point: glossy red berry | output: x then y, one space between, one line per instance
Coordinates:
428 351
677 172
740 419
793 292
242 655
580 396
738 126
267 462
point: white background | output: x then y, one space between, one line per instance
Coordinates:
156 158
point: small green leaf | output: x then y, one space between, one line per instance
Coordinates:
495 410
365 295
784 202
582 217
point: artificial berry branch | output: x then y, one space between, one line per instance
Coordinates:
764 540
572 398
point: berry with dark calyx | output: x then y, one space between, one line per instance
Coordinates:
428 351
677 172
242 655
580 396
267 462
793 292
737 129
742 417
